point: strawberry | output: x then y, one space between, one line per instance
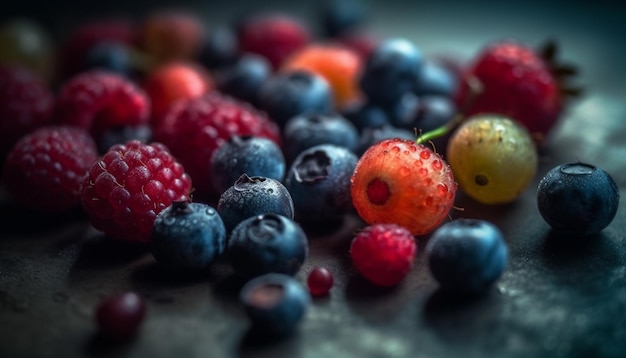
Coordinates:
517 81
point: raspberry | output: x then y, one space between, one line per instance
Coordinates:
129 186
98 101
402 182
45 169
25 104
194 128
383 253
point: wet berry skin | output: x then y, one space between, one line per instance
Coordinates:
467 255
392 70
311 129
577 199
275 305
119 317
319 182
249 196
251 155
291 93
267 243
320 280
188 236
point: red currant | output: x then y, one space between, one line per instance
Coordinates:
119 317
320 281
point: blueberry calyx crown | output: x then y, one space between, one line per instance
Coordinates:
265 227
245 179
181 207
577 169
312 167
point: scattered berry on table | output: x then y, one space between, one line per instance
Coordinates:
26 103
467 255
254 156
383 253
310 129
129 186
578 199
175 81
119 317
493 158
44 171
275 36
338 65
402 182
188 236
267 243
99 100
392 70
320 281
319 183
195 128
288 94
244 77
275 304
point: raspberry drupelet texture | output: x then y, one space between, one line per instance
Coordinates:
98 100
195 128
402 182
130 184
383 253
45 169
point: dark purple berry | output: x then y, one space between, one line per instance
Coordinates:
320 280
218 49
339 17
289 94
188 236
366 115
275 304
319 183
577 199
111 56
254 156
436 79
243 78
267 243
119 317
308 130
467 255
251 196
121 135
370 136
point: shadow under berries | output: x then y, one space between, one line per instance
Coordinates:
38 223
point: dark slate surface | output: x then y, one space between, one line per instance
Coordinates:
558 297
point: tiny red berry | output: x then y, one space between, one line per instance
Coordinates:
119 317
383 253
320 281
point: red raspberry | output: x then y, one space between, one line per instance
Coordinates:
25 104
194 128
86 35
274 36
402 182
383 253
45 169
516 82
98 101
129 186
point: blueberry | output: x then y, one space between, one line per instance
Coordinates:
435 79
254 156
275 305
243 79
319 183
392 70
267 243
577 199
111 56
339 17
288 94
188 236
250 196
467 255
308 130
123 134
218 49
371 136
366 115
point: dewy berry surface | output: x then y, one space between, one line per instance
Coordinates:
399 181
129 186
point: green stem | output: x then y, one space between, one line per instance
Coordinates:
440 131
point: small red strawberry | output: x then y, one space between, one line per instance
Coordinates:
402 182
383 253
519 82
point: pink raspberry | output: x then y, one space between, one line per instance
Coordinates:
132 183
194 128
383 253
98 101
25 105
45 169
